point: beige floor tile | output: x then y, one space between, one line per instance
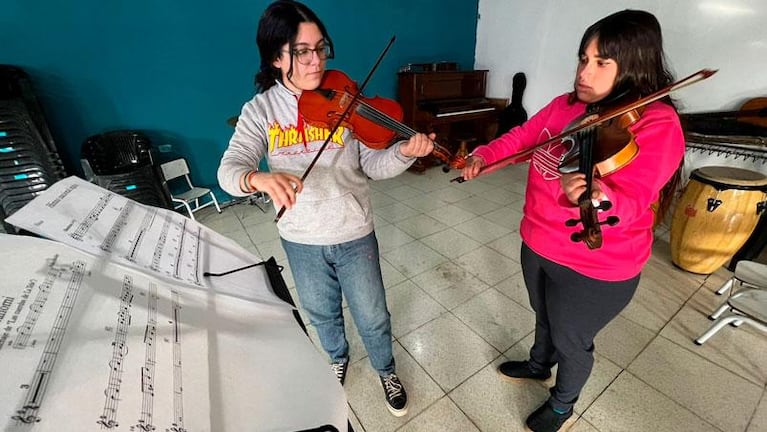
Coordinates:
443 416
449 364
355 421
677 372
502 196
631 405
514 287
424 203
410 308
272 248
452 194
488 265
498 319
390 275
413 258
510 245
742 351
388 184
478 205
390 237
759 421
582 425
420 226
449 284
622 340
403 192
395 212
482 229
476 188
427 181
496 405
451 215
366 397
451 243
262 232
507 217
381 199
654 303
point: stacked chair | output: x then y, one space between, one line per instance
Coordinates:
29 161
123 162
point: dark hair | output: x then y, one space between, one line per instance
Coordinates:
633 39
278 26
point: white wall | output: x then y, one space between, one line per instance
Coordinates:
540 38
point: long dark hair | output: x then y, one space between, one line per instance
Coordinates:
278 26
633 39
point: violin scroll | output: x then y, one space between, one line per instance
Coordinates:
591 234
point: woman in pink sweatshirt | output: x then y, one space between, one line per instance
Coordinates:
576 291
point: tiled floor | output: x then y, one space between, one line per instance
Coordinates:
450 257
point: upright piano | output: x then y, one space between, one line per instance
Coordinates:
450 103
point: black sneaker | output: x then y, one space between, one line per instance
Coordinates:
396 397
545 419
519 370
340 370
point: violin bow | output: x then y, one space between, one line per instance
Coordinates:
517 157
341 118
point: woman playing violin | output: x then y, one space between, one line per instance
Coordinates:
576 291
327 231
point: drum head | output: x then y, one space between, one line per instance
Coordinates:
723 177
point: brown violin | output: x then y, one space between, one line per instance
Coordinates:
375 121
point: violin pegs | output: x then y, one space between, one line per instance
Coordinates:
572 222
605 205
612 220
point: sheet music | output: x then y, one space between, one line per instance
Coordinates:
158 241
87 345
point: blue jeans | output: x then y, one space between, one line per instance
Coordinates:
322 273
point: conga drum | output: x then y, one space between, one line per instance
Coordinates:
716 214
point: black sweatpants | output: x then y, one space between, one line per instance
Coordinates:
570 309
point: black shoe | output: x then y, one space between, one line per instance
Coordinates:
519 370
396 397
545 419
340 370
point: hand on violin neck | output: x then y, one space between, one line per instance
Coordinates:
281 187
418 145
574 186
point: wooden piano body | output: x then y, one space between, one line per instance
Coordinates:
450 103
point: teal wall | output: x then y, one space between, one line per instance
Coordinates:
179 69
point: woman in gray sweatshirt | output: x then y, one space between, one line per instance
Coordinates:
327 230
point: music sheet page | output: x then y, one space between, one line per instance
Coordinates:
157 241
119 329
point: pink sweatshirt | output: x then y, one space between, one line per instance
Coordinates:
632 189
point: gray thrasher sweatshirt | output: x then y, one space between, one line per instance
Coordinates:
334 206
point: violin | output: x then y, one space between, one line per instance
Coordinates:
609 141
601 118
375 121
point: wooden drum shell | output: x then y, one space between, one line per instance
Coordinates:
716 214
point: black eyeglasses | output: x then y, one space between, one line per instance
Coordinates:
305 55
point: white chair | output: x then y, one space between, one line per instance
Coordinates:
177 169
747 301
